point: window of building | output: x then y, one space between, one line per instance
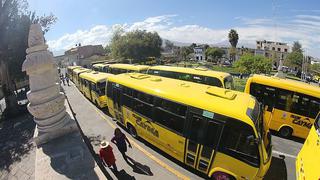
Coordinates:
285 50
279 49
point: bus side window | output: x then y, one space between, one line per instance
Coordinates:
165 117
93 87
140 106
264 94
284 100
314 107
109 89
127 96
216 82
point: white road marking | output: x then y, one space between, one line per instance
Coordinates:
284 154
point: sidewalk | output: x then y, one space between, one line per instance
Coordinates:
17 152
98 126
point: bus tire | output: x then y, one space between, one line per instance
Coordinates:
132 131
286 131
222 175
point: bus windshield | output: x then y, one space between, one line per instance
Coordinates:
257 118
101 88
317 124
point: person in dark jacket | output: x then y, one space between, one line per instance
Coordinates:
121 141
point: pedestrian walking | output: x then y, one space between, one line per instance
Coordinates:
67 79
62 79
107 156
120 140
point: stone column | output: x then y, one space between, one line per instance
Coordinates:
46 100
280 73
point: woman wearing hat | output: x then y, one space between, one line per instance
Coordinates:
107 156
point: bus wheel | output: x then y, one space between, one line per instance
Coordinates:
132 131
285 132
221 175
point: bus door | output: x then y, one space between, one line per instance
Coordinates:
203 139
116 97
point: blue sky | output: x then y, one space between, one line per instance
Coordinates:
93 22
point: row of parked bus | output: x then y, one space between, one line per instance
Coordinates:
196 117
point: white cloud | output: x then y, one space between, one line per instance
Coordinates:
303 28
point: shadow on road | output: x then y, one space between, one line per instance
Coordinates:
15 136
277 169
138 167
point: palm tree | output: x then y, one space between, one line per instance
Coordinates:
233 38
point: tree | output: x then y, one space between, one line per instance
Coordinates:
297 47
193 45
136 45
214 53
251 64
185 51
316 68
294 59
233 38
15 21
168 45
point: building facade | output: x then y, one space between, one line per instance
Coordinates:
80 55
199 53
272 50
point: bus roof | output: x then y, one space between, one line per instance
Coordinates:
73 67
80 70
197 71
95 76
133 67
289 84
100 65
214 99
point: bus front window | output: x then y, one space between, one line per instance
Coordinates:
257 117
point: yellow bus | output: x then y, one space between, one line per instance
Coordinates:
100 67
92 85
197 75
216 131
69 71
75 74
308 159
290 106
125 68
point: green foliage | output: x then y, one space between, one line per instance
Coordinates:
15 20
297 47
293 59
214 53
136 45
316 67
249 63
185 51
233 38
239 84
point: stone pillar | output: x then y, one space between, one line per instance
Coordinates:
280 73
46 100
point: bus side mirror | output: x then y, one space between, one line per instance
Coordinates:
251 140
267 108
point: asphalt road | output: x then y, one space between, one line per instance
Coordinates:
154 164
